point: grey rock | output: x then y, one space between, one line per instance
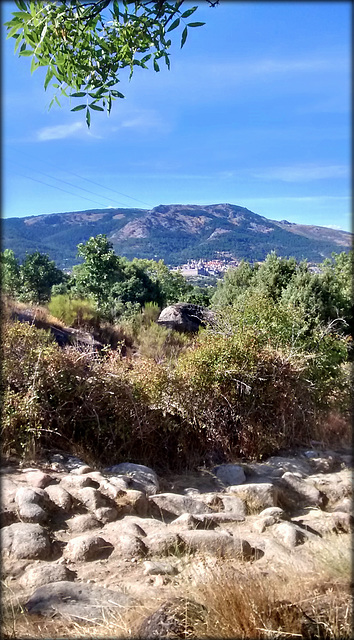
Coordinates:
159 568
142 478
87 547
85 602
59 497
23 540
8 490
164 543
130 546
256 497
292 464
82 470
35 576
92 498
174 619
289 534
106 514
234 505
83 522
71 482
33 504
297 492
218 543
38 479
166 505
185 317
229 474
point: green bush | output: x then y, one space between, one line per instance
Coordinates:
73 312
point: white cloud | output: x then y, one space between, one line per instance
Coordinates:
303 173
59 131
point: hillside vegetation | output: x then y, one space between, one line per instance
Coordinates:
271 373
174 233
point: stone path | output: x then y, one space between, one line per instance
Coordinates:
82 543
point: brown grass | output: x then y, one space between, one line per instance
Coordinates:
310 594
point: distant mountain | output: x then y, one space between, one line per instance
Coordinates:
174 233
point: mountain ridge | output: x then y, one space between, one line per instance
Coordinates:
173 233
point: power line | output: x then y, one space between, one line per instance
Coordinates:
91 181
59 188
64 181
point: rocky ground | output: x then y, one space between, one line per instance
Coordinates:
80 544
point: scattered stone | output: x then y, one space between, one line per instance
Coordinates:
106 514
133 502
59 497
38 479
37 575
86 548
71 482
143 478
81 471
164 543
92 498
130 546
85 602
220 543
25 540
175 618
288 534
166 505
296 492
256 497
33 504
229 474
83 522
234 505
159 568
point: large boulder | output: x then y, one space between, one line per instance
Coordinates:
77 600
136 476
23 540
185 317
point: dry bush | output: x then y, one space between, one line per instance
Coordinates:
70 399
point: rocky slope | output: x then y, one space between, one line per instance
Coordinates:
173 233
83 544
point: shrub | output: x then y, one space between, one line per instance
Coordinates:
74 312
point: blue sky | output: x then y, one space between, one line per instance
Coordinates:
255 111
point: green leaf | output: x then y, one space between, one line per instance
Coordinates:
49 75
26 52
18 42
184 36
95 107
189 12
174 25
195 24
117 94
79 108
79 94
88 117
21 5
34 65
13 31
156 66
57 101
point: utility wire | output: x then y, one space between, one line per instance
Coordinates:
91 181
64 181
59 188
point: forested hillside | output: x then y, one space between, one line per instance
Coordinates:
173 233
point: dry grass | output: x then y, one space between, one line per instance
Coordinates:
310 594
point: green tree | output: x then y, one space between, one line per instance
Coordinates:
114 283
234 283
274 274
37 276
172 284
10 273
86 45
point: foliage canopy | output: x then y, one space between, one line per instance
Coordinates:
86 45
